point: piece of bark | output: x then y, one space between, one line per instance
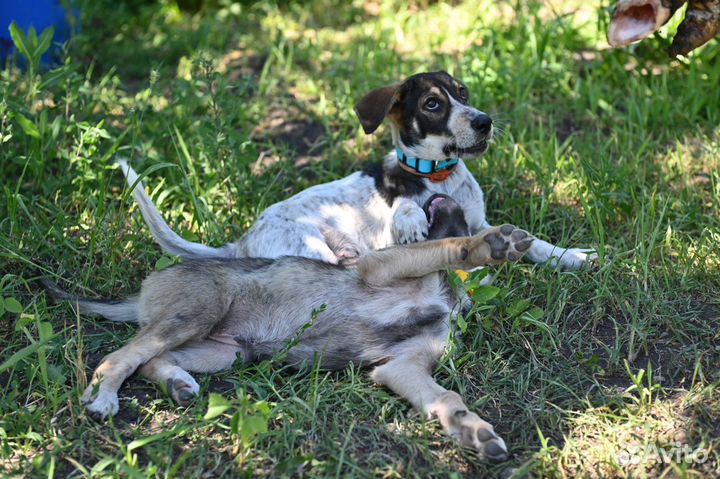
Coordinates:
701 24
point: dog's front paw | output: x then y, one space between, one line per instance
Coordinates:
410 224
497 245
101 404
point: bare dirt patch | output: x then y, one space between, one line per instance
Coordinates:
289 131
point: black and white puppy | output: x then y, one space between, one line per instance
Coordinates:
434 129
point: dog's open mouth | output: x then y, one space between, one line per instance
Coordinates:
431 207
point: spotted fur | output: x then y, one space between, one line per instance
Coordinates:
430 117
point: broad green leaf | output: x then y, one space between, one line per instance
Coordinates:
163 263
217 404
23 321
19 39
480 273
32 40
2 308
13 305
45 41
263 407
253 425
45 330
27 126
518 307
483 294
462 324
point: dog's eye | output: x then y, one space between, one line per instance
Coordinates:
432 104
463 93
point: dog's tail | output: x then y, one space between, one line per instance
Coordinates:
125 311
168 240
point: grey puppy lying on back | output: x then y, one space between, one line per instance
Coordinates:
390 312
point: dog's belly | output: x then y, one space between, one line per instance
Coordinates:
330 315
351 207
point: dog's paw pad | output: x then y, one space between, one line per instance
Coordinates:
495 451
183 389
523 246
517 235
478 435
506 243
498 244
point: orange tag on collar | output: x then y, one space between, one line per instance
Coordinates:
441 175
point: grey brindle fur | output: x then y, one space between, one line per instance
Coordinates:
391 312
430 118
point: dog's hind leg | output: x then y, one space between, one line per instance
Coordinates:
171 368
168 240
100 397
409 375
492 246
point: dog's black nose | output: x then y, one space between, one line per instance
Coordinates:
481 123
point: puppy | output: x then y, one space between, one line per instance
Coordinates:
390 313
434 128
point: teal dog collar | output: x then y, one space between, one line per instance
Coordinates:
436 170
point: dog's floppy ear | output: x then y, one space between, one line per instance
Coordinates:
374 107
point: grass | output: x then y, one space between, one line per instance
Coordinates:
235 107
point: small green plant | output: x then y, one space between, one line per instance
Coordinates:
480 295
248 419
643 385
32 47
10 305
